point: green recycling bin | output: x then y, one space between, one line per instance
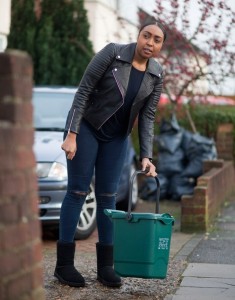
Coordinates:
141 240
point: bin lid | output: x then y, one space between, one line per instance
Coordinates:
136 217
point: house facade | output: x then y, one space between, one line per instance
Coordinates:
118 21
5 18
114 20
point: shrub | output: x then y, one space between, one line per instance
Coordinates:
56 36
206 118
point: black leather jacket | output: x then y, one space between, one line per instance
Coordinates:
102 91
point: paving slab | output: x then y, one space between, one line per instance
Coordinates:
202 294
179 242
208 282
195 297
210 270
210 274
187 247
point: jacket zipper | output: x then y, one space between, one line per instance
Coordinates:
119 106
71 120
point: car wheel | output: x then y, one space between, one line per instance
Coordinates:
87 222
123 205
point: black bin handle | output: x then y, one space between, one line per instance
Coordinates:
129 216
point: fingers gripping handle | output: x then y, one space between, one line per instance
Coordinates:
131 188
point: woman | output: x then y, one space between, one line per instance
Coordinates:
120 83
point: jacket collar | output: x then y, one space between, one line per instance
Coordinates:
126 53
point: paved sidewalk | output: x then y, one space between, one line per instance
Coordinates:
210 274
201 266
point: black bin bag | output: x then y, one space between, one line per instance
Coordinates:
180 158
197 148
148 188
170 155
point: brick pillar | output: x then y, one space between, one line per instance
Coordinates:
20 236
224 141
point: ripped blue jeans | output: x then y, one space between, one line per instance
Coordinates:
107 159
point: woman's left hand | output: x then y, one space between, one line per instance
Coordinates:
148 165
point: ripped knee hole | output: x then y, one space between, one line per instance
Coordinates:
80 193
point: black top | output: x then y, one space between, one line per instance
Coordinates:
117 124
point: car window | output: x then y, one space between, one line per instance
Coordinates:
50 109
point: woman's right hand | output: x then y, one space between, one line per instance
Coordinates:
69 145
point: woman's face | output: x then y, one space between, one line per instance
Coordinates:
149 42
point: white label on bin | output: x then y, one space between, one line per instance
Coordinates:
163 243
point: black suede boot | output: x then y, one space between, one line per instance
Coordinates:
105 271
65 270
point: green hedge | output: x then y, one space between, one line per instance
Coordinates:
57 40
206 118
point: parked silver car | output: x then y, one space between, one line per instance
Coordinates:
51 106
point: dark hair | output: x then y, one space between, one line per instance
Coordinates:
158 24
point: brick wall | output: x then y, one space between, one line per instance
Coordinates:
20 236
213 188
224 141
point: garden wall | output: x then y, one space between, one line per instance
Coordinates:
213 188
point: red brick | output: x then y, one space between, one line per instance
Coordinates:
37 249
22 137
203 181
15 235
199 200
37 277
200 219
187 219
2 228
24 206
15 89
34 228
12 184
194 202
6 161
18 287
25 256
186 198
17 113
193 210
200 191
209 164
9 264
2 290
9 213
31 179
34 201
28 205
224 128
24 159
18 61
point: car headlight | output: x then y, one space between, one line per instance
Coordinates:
53 171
